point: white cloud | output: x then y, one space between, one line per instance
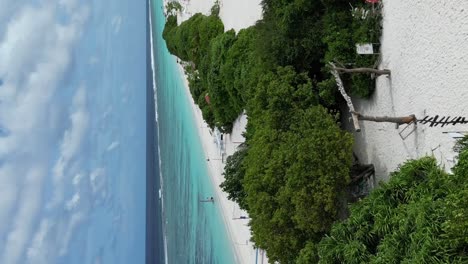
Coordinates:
9 193
97 179
71 143
116 23
107 113
18 64
79 124
69 5
75 220
35 52
9 8
25 216
93 60
38 251
77 179
73 202
113 146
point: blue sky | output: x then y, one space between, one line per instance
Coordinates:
72 131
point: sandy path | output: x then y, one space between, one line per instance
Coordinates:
425 45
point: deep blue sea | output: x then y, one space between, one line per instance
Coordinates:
194 232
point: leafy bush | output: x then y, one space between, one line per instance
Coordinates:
191 39
343 29
234 173
419 216
215 8
290 34
296 162
172 8
225 103
291 192
461 144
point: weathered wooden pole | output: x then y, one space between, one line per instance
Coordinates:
387 119
364 70
339 83
357 116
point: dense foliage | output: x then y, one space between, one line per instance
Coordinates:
290 34
419 216
302 34
190 41
221 66
295 164
342 30
292 192
461 144
172 8
234 174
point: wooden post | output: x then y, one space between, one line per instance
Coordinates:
339 83
388 119
364 70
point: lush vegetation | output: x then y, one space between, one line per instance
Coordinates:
221 66
191 40
295 165
292 193
226 66
173 7
419 216
342 30
234 174
461 144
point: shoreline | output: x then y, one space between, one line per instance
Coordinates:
239 16
237 230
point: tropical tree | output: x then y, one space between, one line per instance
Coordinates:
296 168
191 39
173 7
234 173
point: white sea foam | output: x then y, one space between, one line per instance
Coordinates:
161 183
153 68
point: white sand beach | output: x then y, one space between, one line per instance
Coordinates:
236 14
239 14
425 45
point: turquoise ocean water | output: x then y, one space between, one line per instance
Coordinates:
195 232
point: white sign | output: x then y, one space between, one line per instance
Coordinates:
365 48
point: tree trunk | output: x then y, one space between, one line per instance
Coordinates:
340 85
388 119
364 70
360 171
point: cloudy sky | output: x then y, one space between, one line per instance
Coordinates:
71 168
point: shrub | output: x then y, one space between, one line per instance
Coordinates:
419 216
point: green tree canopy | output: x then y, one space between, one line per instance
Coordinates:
225 103
242 68
290 34
172 8
234 173
293 180
191 39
